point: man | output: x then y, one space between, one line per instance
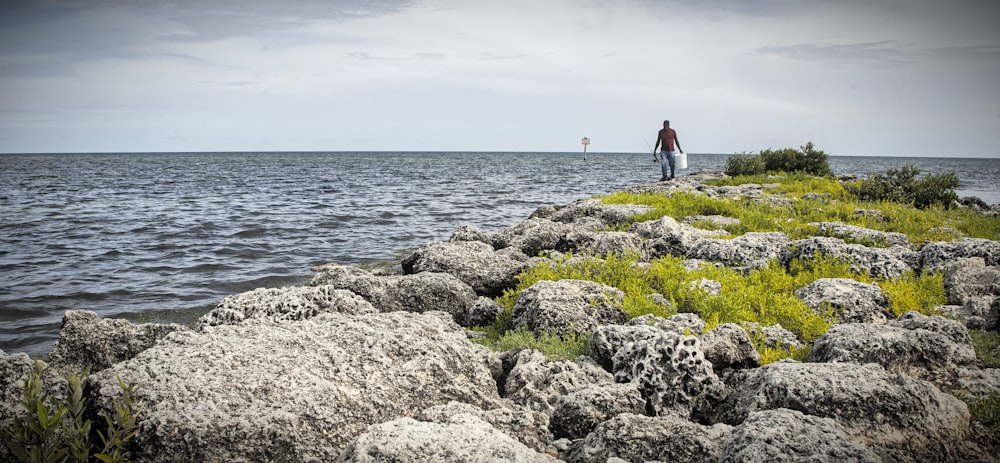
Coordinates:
668 137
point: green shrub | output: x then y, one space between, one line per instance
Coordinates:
902 186
987 346
985 410
741 164
53 430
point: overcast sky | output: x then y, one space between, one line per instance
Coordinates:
856 77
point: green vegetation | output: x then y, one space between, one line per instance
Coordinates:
902 186
806 159
987 345
52 430
985 410
762 296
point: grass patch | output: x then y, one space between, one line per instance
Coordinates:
985 410
987 346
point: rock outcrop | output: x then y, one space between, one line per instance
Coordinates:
89 342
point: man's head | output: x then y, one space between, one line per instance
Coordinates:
666 124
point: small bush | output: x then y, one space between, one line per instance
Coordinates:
51 430
987 346
741 164
902 186
985 410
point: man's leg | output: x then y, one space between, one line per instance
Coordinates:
670 160
663 164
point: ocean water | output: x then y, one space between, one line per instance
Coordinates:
165 236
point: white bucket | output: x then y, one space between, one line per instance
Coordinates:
681 160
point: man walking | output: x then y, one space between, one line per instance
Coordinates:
668 138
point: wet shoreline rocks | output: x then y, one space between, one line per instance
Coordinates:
370 366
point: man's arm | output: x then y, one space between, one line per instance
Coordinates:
657 146
678 142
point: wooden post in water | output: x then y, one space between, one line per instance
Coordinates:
586 141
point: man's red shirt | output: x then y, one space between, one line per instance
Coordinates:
667 137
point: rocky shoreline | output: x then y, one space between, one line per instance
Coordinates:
361 366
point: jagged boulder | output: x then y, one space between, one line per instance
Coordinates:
855 233
843 300
532 236
294 391
748 251
566 306
462 439
729 346
672 373
905 417
484 312
783 435
774 336
488 272
472 233
291 303
607 340
580 411
539 384
891 262
666 236
88 341
966 279
935 255
529 427
421 292
608 214
633 437
600 243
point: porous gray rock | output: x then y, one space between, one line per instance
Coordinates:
601 243
729 346
463 439
529 427
484 312
607 340
532 236
608 214
843 300
774 336
936 254
87 341
291 303
538 384
891 262
746 252
580 411
421 292
633 437
294 391
472 233
969 281
567 306
783 435
855 233
665 236
671 372
718 221
488 272
890 412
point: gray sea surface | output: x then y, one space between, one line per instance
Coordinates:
165 236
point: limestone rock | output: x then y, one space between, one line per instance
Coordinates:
774 336
850 301
484 312
600 243
472 233
729 346
783 435
935 255
477 264
749 251
464 439
532 236
88 341
291 303
421 292
539 384
672 373
844 231
968 278
607 340
566 306
580 411
632 437
890 262
608 214
294 391
891 412
529 427
665 236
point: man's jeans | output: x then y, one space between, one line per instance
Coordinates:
667 160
